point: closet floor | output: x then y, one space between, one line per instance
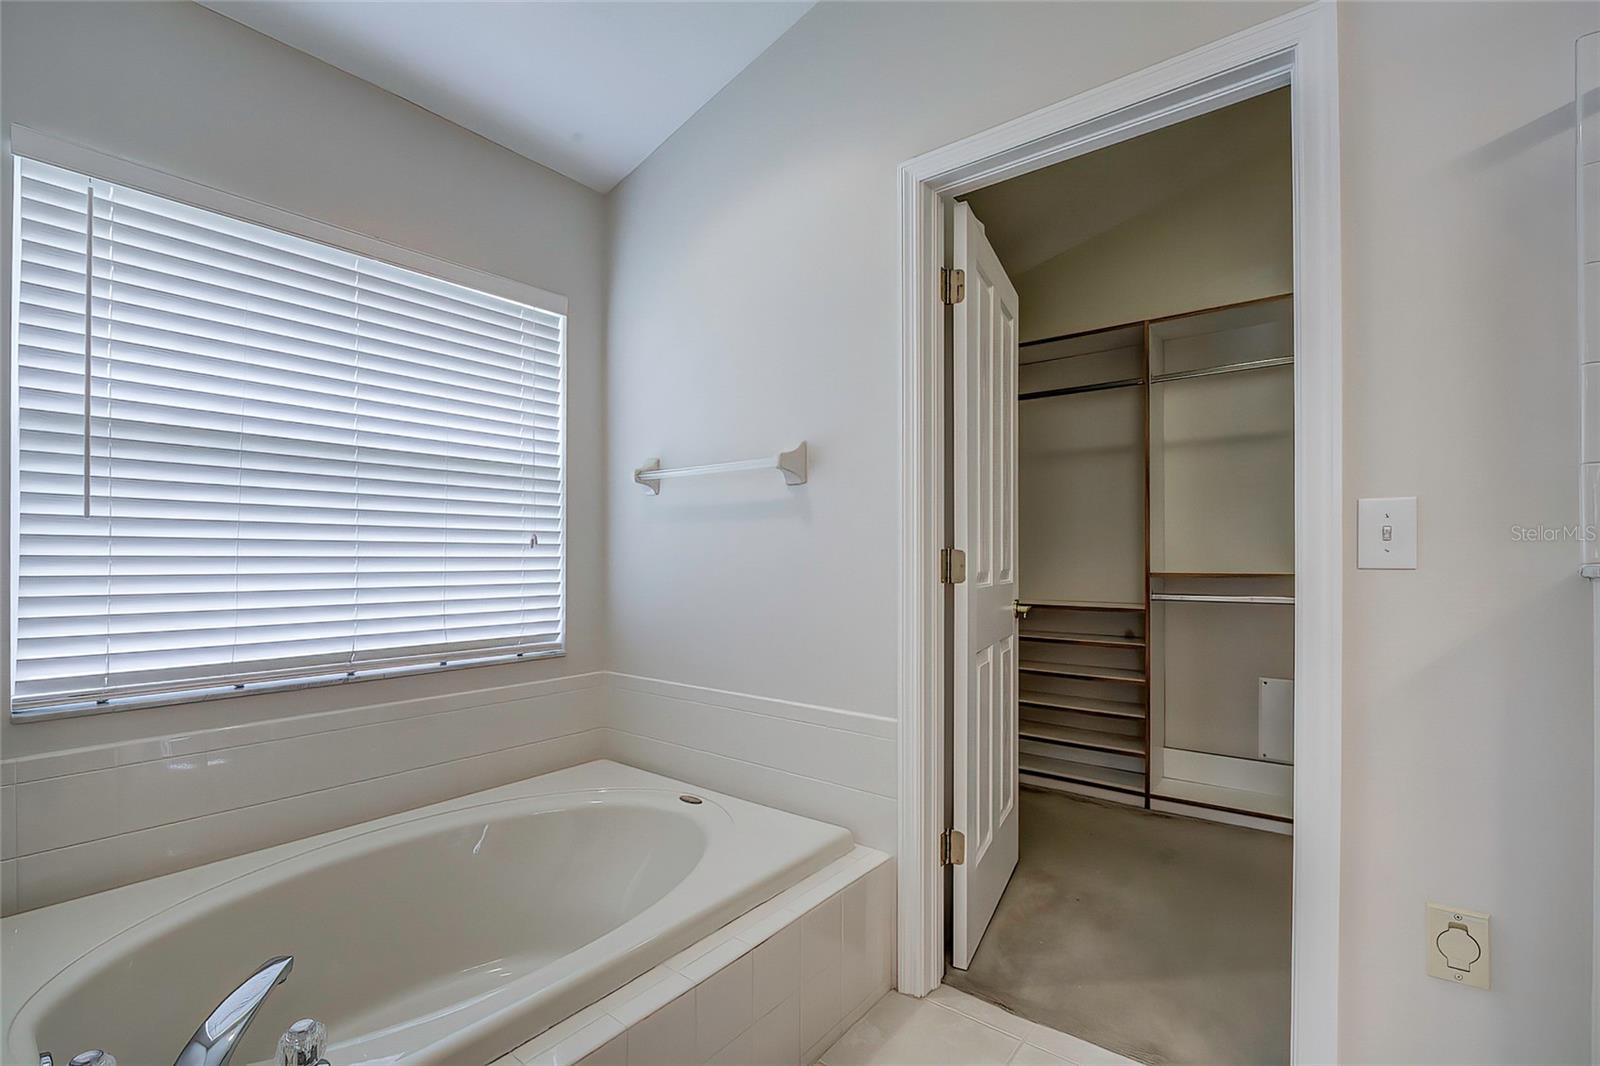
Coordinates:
1160 937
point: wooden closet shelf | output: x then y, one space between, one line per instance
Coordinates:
1221 574
1082 773
1087 605
1121 327
1057 701
1096 640
1088 739
1225 368
1084 672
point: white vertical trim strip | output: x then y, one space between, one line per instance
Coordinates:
88 350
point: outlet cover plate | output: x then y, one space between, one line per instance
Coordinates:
1386 533
1458 946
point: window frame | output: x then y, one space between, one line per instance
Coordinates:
30 144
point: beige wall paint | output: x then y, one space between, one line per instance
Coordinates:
754 302
1468 746
1230 240
754 261
181 89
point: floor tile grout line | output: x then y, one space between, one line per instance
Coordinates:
1022 1040
980 1021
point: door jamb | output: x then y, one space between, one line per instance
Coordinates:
1298 49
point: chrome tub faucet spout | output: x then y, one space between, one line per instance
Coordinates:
214 1043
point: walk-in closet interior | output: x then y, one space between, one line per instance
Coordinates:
1156 533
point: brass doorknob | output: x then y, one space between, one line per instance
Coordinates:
1020 609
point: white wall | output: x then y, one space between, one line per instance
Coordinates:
1468 723
181 89
754 303
753 295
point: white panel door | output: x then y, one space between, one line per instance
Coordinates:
985 646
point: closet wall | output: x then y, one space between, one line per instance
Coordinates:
1231 239
1220 491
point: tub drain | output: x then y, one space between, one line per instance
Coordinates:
691 799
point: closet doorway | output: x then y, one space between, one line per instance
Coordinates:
1123 484
1140 362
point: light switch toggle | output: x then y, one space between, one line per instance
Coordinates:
1458 946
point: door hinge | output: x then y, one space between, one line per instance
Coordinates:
952 285
952 566
952 848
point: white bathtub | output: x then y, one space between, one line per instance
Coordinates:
448 934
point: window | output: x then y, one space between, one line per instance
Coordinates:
244 459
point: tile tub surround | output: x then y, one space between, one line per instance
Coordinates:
834 765
85 820
775 987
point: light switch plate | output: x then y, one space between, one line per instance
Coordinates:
1458 946
1386 533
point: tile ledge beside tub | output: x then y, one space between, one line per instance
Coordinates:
774 987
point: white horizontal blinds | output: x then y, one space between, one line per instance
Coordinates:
303 462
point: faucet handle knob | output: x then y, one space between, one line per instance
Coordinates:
303 1044
93 1058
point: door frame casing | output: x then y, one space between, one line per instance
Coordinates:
1298 49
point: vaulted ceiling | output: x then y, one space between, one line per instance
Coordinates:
587 89
1042 214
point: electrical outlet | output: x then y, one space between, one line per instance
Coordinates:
1458 946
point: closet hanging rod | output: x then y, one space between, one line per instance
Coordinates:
1072 390
1053 338
792 463
1129 348
1230 368
1185 597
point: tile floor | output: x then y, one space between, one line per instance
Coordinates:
951 1028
